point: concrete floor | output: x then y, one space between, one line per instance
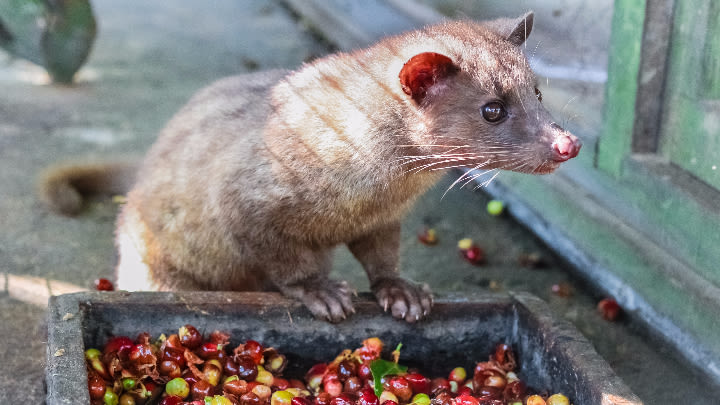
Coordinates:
148 59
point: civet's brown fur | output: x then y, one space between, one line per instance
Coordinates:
255 181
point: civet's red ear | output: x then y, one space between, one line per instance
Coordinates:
423 71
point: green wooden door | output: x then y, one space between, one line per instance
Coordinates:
690 132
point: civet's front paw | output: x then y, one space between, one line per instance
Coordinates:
330 300
405 299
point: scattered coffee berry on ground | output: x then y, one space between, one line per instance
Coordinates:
471 252
103 284
428 236
609 309
495 207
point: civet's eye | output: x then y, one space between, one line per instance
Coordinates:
493 111
538 94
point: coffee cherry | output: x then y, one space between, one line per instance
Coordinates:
178 356
367 396
177 387
535 400
370 350
201 389
346 369
489 392
128 384
93 357
295 383
496 381
253 350
418 382
428 236
558 399
209 351
264 376
246 369
274 362
330 375
466 400
343 399
465 243
471 252
322 398
96 386
189 336
235 386
281 398
119 344
388 396
314 376
171 400
363 371
149 389
173 342
220 338
495 207
212 370
170 368
280 383
219 400
249 398
514 390
300 401
352 384
262 391
420 399
439 384
474 255
141 354
333 387
103 284
230 367
401 388
608 309
442 398
110 397
127 399
189 376
458 374
505 356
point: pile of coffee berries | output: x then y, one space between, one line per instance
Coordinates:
185 369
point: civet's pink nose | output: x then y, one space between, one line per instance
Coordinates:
566 146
